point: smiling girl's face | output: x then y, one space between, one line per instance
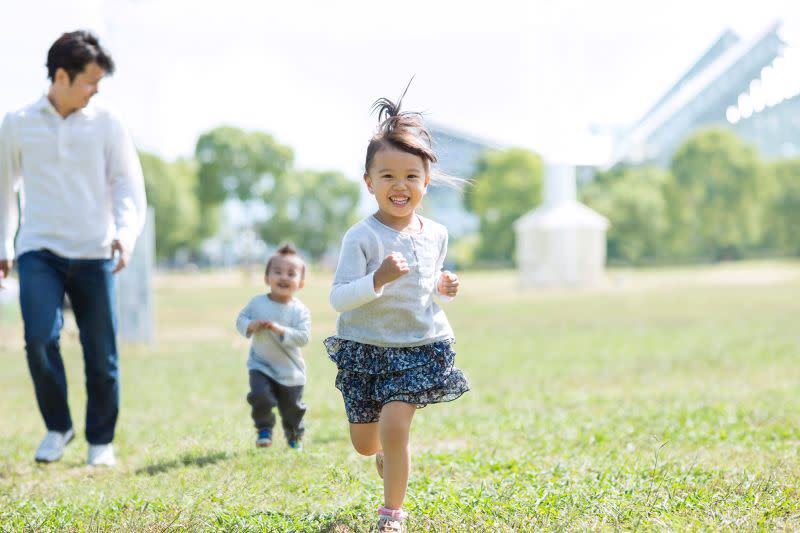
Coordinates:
399 181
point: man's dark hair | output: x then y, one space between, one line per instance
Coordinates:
73 51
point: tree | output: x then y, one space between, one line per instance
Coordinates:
313 210
239 164
783 211
508 183
715 203
171 192
632 198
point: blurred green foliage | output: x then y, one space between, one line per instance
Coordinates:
718 200
507 184
312 209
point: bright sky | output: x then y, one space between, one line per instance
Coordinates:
534 73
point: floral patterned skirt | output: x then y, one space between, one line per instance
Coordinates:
371 376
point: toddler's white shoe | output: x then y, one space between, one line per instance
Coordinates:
101 455
52 446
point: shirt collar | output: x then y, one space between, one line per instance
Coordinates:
44 104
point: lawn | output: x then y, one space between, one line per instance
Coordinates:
664 400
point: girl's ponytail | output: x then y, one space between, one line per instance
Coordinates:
405 131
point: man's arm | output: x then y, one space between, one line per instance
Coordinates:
10 179
5 270
129 203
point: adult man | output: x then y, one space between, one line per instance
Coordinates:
82 196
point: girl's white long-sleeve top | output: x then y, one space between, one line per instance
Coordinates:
79 181
278 357
405 312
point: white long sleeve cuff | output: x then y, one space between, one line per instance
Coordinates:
349 296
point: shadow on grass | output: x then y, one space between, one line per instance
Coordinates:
187 459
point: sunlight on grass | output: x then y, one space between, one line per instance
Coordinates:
665 399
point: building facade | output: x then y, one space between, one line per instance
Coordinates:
750 86
458 154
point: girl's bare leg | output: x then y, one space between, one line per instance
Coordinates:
394 426
365 438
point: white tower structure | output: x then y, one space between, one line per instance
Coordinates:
562 242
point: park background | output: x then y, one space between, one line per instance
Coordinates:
663 397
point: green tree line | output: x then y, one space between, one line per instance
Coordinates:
310 208
717 200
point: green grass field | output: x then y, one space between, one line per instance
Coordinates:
666 400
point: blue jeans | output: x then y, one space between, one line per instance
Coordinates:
44 277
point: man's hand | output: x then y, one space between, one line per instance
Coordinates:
448 284
123 255
393 266
5 270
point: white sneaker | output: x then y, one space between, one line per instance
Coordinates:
101 455
52 446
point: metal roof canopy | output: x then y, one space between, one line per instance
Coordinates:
697 94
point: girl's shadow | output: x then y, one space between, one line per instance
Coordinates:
187 459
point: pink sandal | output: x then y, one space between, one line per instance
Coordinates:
391 520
